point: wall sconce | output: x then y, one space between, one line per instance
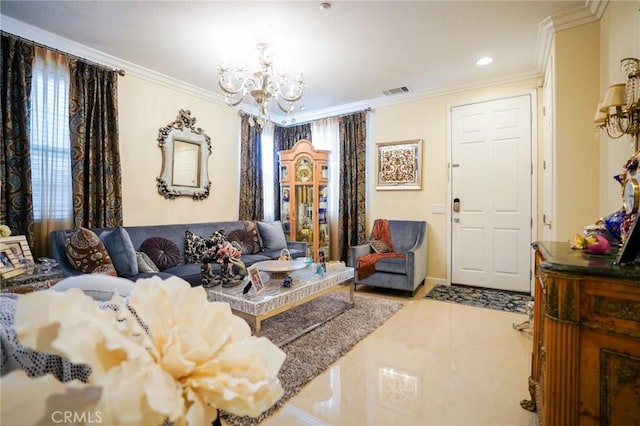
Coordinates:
619 111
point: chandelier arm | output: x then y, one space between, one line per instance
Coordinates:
231 92
291 99
283 109
236 103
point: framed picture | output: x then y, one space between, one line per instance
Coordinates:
399 165
630 251
256 279
9 264
18 245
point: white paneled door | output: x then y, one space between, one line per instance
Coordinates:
491 189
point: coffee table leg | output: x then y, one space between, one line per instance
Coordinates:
256 326
352 290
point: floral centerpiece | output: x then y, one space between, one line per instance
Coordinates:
165 354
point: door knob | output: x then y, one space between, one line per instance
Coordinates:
456 219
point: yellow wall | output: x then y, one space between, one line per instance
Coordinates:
576 159
424 119
619 38
144 107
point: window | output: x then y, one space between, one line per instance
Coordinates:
49 138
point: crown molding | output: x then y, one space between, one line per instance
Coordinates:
411 97
62 44
591 11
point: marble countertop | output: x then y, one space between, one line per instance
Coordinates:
560 257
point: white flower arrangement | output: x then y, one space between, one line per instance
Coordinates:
5 231
192 358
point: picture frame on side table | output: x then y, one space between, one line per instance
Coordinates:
9 265
399 165
630 251
19 247
256 279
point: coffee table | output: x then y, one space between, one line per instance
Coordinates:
275 299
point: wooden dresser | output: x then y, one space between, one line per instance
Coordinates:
586 344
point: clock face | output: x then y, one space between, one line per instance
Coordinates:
631 196
303 171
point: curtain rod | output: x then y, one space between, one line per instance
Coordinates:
120 71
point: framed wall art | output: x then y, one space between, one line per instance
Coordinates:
399 165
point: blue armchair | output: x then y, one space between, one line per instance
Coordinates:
402 273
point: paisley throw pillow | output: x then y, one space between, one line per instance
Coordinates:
87 253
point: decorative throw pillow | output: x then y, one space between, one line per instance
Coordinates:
195 247
145 264
121 251
87 254
245 240
163 253
272 235
252 230
380 246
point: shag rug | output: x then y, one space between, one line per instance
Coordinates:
312 353
500 300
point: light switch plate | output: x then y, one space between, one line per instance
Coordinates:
437 208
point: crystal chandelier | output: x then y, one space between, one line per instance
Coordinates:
619 112
262 87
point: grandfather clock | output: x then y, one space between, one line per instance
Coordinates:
304 180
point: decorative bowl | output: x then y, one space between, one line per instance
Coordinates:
307 260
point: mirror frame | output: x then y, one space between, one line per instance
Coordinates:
183 130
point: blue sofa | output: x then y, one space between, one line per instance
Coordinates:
188 271
408 273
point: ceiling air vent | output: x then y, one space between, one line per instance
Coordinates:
403 89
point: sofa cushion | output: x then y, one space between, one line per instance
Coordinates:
163 252
87 254
145 264
195 246
246 241
380 246
252 230
272 236
191 272
100 287
120 248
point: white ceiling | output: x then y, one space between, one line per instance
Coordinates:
349 54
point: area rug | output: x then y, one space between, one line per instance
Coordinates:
500 300
314 352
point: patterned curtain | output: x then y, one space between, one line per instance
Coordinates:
16 203
250 203
95 151
352 197
285 138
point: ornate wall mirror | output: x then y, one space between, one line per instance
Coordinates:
185 159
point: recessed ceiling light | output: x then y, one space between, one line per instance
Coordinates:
484 61
325 5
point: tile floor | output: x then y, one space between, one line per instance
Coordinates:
432 363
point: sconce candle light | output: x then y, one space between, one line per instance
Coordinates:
619 111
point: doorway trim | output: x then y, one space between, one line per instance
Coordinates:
534 171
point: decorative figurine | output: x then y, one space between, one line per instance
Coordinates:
322 261
287 282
